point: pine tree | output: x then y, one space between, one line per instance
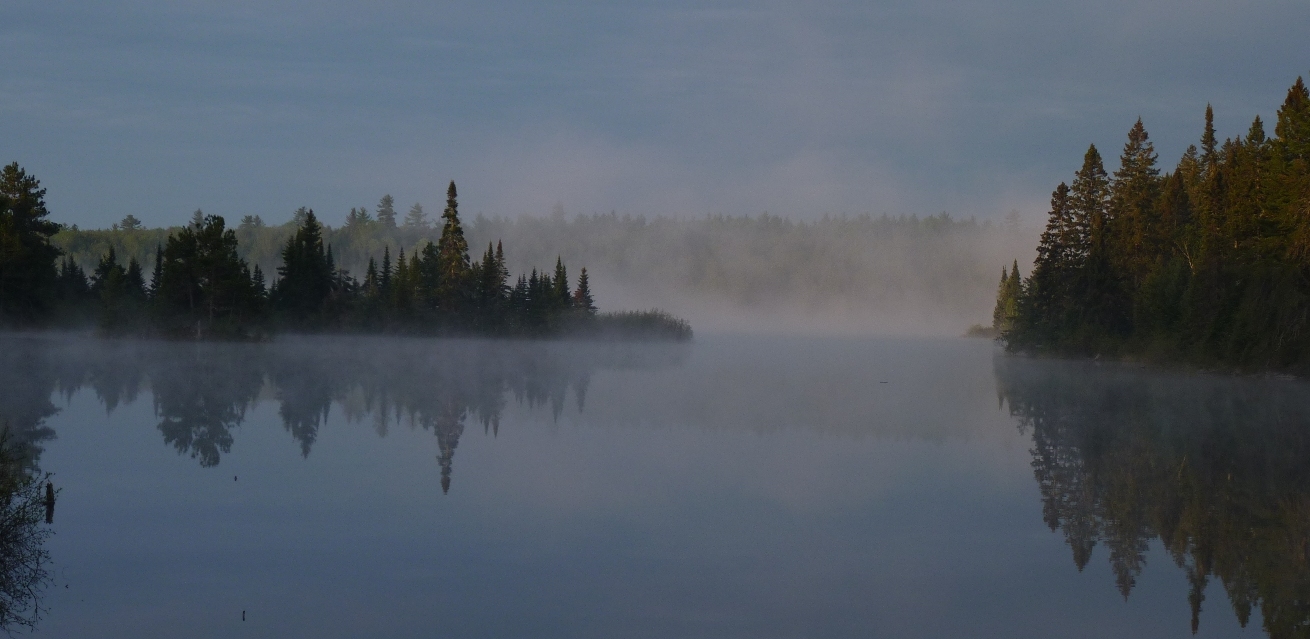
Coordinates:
416 219
386 212
205 288
27 259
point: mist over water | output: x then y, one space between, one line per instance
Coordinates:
736 486
843 275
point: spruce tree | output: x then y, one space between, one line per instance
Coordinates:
305 277
1209 154
429 277
453 255
582 298
400 285
155 275
1045 305
560 282
1133 195
998 312
1089 195
1293 126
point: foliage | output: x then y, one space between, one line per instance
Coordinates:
27 259
1207 264
874 270
201 285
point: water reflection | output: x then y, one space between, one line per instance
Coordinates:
202 392
1216 468
23 557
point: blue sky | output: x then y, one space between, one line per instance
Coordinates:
686 108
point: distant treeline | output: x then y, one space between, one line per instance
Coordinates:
1207 264
867 271
201 286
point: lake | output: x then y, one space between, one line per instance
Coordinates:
737 486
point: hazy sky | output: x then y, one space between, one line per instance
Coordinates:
799 108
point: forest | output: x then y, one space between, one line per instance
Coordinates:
1208 264
863 272
201 287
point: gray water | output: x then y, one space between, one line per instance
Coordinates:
734 487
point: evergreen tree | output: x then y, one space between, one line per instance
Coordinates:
258 280
582 298
560 288
1209 154
429 277
1048 301
305 277
1089 196
204 287
1206 263
358 219
27 259
452 255
401 289
1133 196
386 212
156 275
416 219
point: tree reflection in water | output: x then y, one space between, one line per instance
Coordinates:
1217 468
202 392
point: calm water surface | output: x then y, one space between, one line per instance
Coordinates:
734 487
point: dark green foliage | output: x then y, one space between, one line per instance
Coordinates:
1214 468
203 288
1208 264
121 293
27 259
452 258
200 287
305 278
